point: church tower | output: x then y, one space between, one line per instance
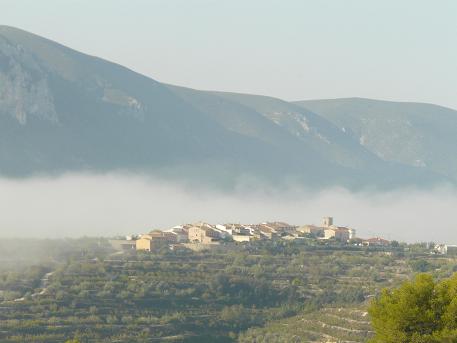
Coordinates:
327 221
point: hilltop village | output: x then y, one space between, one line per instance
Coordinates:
200 236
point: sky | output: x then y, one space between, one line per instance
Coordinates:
293 49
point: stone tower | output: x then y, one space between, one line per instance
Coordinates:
327 221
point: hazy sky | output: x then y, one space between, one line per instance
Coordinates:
83 204
294 49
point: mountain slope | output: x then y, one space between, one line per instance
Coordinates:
61 110
414 134
361 167
308 127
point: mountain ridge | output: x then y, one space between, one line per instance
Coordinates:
415 134
62 110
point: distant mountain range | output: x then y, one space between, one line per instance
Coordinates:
64 111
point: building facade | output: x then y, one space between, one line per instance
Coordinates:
202 234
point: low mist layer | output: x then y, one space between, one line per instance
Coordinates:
76 205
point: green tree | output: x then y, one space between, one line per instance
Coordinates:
421 266
420 311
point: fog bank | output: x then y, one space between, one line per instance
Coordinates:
76 205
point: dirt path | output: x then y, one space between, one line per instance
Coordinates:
44 283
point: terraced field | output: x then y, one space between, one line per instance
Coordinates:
271 292
328 325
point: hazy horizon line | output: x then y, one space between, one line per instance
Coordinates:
75 205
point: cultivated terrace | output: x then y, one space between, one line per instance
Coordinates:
260 291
